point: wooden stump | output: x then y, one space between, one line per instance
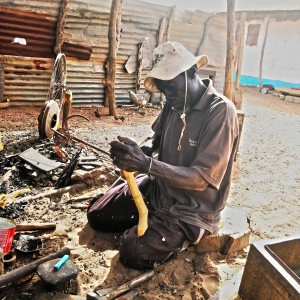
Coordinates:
232 237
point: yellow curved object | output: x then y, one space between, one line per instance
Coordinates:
8 198
139 202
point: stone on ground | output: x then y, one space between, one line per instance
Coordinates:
233 234
51 276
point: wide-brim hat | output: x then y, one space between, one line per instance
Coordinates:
173 59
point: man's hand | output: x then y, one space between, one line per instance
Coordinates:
128 156
151 145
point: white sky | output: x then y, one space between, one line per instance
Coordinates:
208 5
221 5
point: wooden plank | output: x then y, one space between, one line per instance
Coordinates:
60 26
170 21
267 21
114 33
229 68
240 50
289 91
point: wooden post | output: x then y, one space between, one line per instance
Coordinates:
60 26
229 69
139 67
170 20
1 81
110 64
205 34
238 93
240 50
162 29
267 21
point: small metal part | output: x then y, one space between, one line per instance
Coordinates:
64 125
39 161
61 137
9 259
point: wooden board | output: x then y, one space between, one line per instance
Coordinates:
289 91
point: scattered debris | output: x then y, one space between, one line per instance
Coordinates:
65 177
14 211
39 161
16 274
29 243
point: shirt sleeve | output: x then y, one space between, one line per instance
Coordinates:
216 144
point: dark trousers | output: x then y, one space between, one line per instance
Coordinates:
116 211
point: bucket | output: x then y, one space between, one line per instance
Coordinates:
7 231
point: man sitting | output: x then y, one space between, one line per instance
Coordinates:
187 186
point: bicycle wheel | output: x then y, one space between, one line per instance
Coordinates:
50 114
58 79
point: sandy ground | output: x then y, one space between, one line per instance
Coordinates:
265 186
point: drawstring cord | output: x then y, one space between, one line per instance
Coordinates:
182 116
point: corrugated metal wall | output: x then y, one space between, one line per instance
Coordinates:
27 79
214 45
38 32
188 29
87 22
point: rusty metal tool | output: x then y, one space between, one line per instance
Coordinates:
113 293
62 137
35 226
65 177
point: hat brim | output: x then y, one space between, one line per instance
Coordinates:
167 70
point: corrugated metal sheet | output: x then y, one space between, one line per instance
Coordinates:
268 5
27 79
49 7
216 6
37 29
215 43
139 20
87 22
189 32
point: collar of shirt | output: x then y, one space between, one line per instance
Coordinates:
209 91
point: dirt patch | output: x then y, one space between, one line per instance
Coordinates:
265 186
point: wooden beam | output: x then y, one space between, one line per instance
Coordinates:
240 49
267 21
170 20
205 34
1 81
162 30
139 65
229 68
238 93
60 26
114 41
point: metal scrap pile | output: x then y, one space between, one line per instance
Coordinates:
42 165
